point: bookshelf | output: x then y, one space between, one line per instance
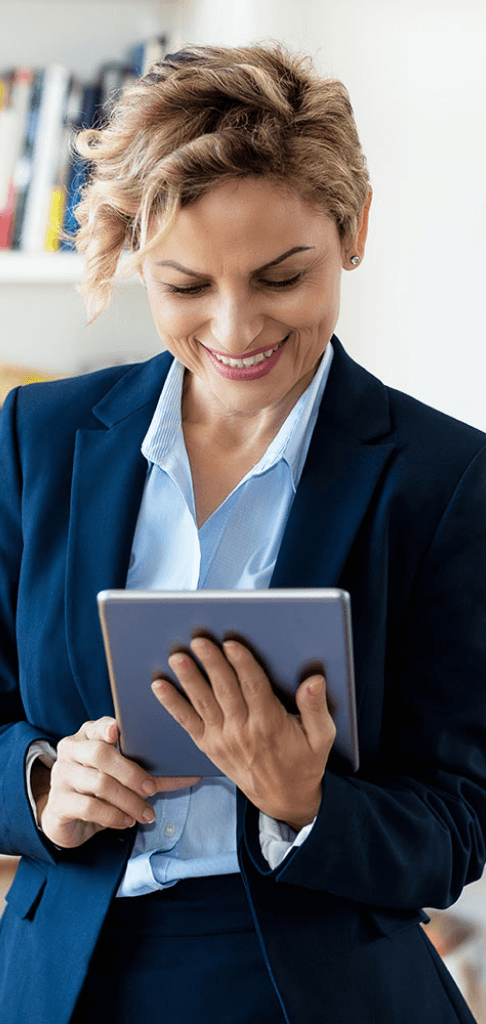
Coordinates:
36 45
45 268
37 288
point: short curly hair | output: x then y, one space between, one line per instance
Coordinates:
197 119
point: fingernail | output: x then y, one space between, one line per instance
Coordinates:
315 687
148 787
149 815
159 686
178 661
200 643
128 821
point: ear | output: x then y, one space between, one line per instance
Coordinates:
356 246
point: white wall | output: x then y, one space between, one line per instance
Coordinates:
414 312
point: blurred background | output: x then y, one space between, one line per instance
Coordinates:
413 313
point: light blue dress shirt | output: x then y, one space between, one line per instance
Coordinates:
236 548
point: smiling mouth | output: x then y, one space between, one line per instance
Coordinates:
248 360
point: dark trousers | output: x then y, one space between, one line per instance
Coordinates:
186 955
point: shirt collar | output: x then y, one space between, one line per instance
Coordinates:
164 435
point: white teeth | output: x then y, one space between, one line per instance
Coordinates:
250 360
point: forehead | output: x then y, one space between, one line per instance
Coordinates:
246 216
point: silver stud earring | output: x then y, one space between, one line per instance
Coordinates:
355 260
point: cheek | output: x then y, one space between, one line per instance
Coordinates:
169 321
315 316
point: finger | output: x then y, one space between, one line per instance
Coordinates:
104 756
224 681
315 716
166 784
175 703
72 806
105 728
198 708
198 691
92 783
254 682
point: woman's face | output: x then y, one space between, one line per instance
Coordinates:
244 291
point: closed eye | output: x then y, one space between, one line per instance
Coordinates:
200 288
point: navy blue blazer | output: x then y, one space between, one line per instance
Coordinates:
391 506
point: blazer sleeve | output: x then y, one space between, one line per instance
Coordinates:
411 833
18 832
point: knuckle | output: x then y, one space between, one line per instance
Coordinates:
100 784
57 774
100 753
64 748
86 808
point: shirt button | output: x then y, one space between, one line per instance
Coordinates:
169 830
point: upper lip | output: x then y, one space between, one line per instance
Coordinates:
246 355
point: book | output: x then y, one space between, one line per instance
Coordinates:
45 157
13 120
41 175
59 191
23 166
147 53
78 168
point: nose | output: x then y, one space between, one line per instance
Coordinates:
235 326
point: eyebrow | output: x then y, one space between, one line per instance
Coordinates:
266 266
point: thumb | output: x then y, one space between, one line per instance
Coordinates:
111 733
314 712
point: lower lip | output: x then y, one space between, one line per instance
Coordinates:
246 372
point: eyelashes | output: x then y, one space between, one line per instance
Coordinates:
199 289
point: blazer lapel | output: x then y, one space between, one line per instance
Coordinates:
339 477
108 479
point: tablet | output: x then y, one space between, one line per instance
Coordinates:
293 633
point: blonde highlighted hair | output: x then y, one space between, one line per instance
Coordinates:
201 117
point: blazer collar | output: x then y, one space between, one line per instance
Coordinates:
139 388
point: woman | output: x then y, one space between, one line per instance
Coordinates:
253 453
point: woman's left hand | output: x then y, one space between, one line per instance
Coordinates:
277 759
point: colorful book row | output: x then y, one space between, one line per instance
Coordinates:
41 110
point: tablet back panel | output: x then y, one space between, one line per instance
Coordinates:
293 633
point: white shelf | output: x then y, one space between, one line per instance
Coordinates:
45 268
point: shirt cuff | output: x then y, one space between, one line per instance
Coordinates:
277 839
46 753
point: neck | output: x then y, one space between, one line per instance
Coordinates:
232 427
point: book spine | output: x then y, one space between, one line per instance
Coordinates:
6 202
155 51
113 79
78 167
7 130
10 149
45 157
59 190
152 51
23 167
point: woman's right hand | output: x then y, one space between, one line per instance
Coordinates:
92 786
